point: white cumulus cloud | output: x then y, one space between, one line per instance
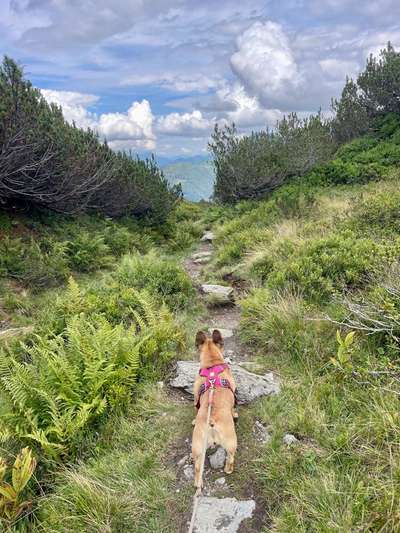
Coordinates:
186 124
133 129
246 110
74 106
135 124
264 61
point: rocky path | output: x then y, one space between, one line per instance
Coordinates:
219 508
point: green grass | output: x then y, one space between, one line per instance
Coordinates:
312 264
129 484
101 340
319 255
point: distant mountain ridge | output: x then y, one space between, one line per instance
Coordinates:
195 174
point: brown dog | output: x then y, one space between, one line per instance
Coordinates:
222 428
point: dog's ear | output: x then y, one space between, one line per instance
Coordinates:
217 338
201 338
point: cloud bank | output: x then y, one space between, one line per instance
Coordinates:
157 75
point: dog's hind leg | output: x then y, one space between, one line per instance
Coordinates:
197 453
197 467
230 457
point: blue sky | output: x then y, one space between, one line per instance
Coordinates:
156 75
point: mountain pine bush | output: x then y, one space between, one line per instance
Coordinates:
46 162
375 94
252 166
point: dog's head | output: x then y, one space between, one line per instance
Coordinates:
211 349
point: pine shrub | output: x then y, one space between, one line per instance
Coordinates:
47 163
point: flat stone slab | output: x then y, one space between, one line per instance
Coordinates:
201 261
207 237
222 515
201 255
220 291
249 386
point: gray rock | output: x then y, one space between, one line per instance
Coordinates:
188 472
261 432
289 439
249 386
222 515
217 459
223 293
183 460
226 333
220 481
201 258
251 366
207 237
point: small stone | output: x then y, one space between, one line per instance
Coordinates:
208 236
202 254
183 460
15 332
217 459
251 366
201 257
220 481
261 433
229 353
289 439
188 472
160 384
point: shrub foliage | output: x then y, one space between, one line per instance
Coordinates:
254 165
374 94
46 162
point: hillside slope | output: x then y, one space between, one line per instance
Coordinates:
195 175
316 258
316 270
318 263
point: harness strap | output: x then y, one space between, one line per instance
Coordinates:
213 380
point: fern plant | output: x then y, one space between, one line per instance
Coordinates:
68 382
64 383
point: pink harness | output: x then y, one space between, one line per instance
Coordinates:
213 379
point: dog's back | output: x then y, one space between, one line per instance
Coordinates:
221 430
